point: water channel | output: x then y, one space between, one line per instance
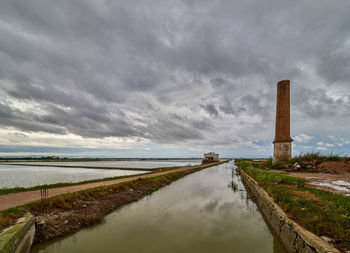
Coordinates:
208 211
145 164
28 176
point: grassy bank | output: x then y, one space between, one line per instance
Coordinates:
321 212
89 206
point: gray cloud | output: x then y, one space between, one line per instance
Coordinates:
211 110
172 71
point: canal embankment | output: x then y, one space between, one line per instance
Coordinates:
19 237
295 237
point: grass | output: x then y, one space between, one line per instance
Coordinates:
317 157
266 177
322 212
9 216
92 219
274 166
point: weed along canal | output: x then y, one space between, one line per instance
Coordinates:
207 211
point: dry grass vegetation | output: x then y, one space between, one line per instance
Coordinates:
308 162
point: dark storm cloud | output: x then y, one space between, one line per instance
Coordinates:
170 71
10 117
211 110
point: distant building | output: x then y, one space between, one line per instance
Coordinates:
211 157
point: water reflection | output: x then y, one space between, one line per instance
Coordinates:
198 213
27 176
146 164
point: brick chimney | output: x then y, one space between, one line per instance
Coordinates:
283 142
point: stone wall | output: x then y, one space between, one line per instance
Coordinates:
294 237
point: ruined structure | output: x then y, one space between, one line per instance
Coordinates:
283 142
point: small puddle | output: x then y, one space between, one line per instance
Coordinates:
339 186
205 212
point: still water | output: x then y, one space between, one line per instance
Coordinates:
202 212
144 164
27 176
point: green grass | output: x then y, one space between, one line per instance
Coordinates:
264 176
322 212
274 166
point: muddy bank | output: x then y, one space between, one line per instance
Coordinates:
74 212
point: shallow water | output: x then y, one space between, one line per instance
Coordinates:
123 164
28 176
338 185
202 212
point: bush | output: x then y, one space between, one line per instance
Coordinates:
315 156
274 166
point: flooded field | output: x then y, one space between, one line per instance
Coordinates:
27 176
123 164
208 211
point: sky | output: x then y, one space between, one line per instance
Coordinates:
171 78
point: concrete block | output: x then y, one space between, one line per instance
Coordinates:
20 237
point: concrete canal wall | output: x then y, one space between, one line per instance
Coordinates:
294 237
18 238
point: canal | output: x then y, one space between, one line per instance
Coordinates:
208 211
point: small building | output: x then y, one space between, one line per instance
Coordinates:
211 157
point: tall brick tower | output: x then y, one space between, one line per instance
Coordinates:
282 147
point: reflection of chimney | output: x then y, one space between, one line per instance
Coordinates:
282 143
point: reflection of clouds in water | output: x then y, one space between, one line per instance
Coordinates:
28 176
122 164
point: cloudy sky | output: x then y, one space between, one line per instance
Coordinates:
171 78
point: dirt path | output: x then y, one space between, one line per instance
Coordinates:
21 198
